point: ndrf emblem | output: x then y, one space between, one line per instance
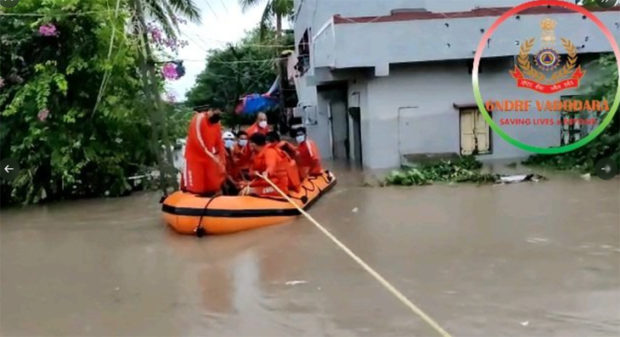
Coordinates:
543 75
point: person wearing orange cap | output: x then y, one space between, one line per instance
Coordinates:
205 156
269 162
309 158
260 125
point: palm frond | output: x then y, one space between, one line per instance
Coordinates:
245 4
266 20
154 9
282 7
186 8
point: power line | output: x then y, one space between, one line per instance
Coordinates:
224 5
248 61
205 49
201 40
106 74
35 14
232 62
211 8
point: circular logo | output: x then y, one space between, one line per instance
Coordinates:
478 95
606 169
547 59
8 3
606 3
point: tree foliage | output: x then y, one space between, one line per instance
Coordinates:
243 68
49 87
607 144
462 170
278 9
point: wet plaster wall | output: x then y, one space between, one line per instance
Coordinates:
425 94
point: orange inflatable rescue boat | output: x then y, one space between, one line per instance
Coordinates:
191 214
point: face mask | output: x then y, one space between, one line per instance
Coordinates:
228 143
214 119
262 124
243 142
300 138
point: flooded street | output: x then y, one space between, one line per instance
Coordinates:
531 259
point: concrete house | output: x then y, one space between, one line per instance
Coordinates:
378 80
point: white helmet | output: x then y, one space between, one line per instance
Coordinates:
228 135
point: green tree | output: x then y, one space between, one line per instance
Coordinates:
48 88
278 9
607 144
242 68
167 14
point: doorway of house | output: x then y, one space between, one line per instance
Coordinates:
339 121
475 133
356 123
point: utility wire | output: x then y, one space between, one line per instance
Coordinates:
199 45
211 8
106 75
224 5
35 14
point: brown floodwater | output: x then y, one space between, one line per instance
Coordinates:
530 259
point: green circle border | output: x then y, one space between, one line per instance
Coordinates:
504 135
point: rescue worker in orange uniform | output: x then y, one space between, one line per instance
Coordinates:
233 173
242 154
205 156
269 162
308 158
259 126
288 150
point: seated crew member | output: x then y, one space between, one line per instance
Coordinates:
259 126
233 173
309 158
269 162
289 151
205 161
242 155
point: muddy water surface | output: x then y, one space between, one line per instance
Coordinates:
532 259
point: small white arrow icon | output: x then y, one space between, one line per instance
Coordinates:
8 169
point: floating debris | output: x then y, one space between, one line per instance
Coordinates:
537 240
519 178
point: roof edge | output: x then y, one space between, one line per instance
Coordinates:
474 13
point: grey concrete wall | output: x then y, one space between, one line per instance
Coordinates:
378 44
430 90
358 97
314 13
319 129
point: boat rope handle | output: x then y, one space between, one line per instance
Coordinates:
364 265
200 231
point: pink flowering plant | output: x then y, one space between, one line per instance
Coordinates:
169 71
48 30
167 47
165 43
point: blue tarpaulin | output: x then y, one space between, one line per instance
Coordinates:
254 103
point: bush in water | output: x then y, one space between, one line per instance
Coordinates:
464 169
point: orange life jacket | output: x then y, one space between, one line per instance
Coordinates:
204 143
289 150
254 128
274 163
309 158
